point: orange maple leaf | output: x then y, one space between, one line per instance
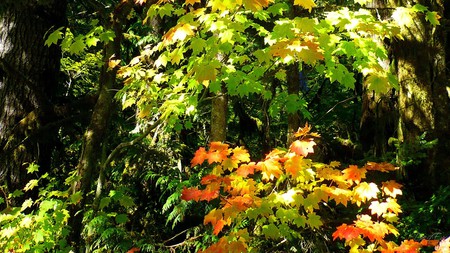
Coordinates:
302 147
246 169
215 217
199 157
191 194
409 246
353 174
209 179
293 165
383 167
209 194
255 5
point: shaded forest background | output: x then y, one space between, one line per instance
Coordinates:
103 105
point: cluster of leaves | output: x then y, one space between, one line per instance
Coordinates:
283 196
38 225
241 46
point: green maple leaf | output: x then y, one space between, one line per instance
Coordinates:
92 41
300 221
54 37
166 10
271 231
32 168
104 202
379 84
208 71
107 36
126 201
419 8
433 18
314 220
77 46
31 184
278 8
197 45
121 218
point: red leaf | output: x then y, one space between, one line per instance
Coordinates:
347 232
302 148
133 250
191 194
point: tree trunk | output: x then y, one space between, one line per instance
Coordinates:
29 73
94 136
293 87
219 117
423 100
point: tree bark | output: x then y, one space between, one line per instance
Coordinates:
29 82
423 101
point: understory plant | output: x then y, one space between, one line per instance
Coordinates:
276 204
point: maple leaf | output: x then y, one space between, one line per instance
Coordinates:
347 232
353 174
208 179
246 169
215 217
391 188
199 157
255 5
314 220
270 169
209 194
364 191
241 203
378 208
191 194
409 246
192 2
133 250
383 167
307 4
340 196
293 165
178 33
302 147
242 187
241 154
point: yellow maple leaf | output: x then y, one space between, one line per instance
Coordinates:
307 4
392 188
192 2
179 32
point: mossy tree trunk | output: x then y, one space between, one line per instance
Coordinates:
29 73
423 99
